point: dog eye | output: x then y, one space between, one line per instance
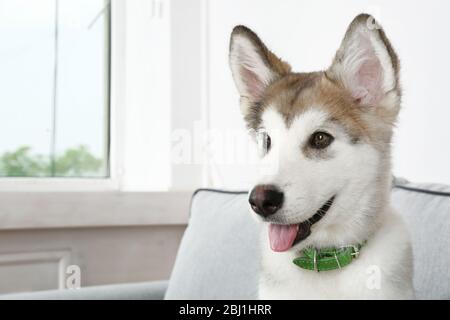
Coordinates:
267 143
320 140
264 143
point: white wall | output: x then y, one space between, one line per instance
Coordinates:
307 34
161 91
145 115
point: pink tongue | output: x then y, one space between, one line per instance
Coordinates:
282 236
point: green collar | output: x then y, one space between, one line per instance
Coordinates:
326 259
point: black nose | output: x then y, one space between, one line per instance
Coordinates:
265 199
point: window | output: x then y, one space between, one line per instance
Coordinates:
54 80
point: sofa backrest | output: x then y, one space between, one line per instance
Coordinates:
219 254
426 209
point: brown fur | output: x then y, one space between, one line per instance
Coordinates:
296 92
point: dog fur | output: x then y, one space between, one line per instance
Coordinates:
357 101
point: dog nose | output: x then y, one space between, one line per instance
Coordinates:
265 200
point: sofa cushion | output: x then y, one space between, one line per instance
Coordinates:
218 256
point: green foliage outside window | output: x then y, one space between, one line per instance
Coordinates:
74 162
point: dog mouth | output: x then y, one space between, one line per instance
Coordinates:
282 237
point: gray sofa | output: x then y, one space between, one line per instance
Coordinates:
218 256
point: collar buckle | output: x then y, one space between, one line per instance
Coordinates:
355 253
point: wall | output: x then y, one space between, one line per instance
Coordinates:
113 237
32 260
186 19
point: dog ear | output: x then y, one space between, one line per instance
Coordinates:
366 64
253 66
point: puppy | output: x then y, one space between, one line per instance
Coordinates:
329 230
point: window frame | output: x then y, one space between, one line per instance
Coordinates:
116 111
133 194
115 200
140 58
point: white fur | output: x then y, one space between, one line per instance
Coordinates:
359 174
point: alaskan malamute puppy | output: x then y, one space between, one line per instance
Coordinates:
329 228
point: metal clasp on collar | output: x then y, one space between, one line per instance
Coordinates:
355 254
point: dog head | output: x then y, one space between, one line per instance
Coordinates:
326 135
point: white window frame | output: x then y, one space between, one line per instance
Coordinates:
110 183
117 179
118 200
129 196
